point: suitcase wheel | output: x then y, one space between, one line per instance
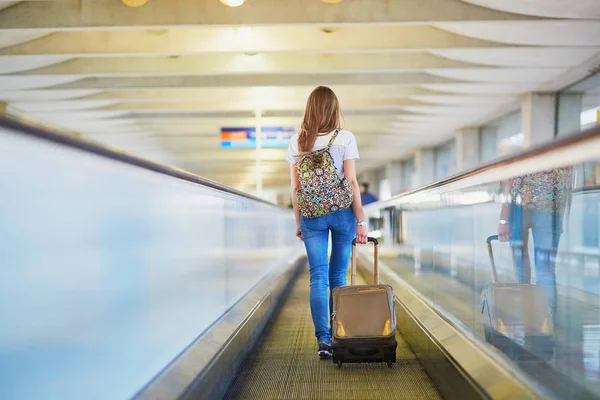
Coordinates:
339 363
390 363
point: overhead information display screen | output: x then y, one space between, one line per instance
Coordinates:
273 137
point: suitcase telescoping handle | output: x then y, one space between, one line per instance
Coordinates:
375 263
492 262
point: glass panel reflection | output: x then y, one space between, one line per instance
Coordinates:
543 310
109 271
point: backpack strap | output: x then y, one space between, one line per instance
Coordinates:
332 139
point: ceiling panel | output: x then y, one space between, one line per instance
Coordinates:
163 79
533 33
544 8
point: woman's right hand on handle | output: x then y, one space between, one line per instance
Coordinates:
361 234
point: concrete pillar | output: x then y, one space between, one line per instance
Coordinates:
374 178
569 113
424 167
383 190
538 117
408 174
467 148
393 172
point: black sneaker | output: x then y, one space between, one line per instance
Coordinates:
324 350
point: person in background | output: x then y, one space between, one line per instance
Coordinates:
365 196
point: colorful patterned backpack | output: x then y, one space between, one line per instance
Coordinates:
322 190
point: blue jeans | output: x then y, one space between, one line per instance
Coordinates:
326 273
546 229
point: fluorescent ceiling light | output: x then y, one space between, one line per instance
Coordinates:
589 117
134 3
243 30
233 3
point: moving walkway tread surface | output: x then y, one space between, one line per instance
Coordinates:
285 365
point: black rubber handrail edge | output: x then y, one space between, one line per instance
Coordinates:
548 147
21 127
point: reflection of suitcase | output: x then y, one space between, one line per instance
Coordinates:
516 315
364 319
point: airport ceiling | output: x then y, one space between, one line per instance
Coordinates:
161 79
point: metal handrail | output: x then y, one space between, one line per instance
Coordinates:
543 149
22 127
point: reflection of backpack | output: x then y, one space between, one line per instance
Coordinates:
322 190
545 191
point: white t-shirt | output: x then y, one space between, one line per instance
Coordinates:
343 148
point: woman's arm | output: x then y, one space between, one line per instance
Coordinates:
295 183
350 173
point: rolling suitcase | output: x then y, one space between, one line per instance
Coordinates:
516 316
364 319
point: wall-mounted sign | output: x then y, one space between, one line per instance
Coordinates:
273 137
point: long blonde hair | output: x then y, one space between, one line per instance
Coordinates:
322 115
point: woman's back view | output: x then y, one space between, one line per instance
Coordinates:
326 198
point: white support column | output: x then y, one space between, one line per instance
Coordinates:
538 117
393 172
424 167
467 148
259 180
569 112
378 183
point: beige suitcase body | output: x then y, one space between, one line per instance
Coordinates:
364 319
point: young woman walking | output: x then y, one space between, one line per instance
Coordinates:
325 198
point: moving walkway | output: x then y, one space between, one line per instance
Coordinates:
122 295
